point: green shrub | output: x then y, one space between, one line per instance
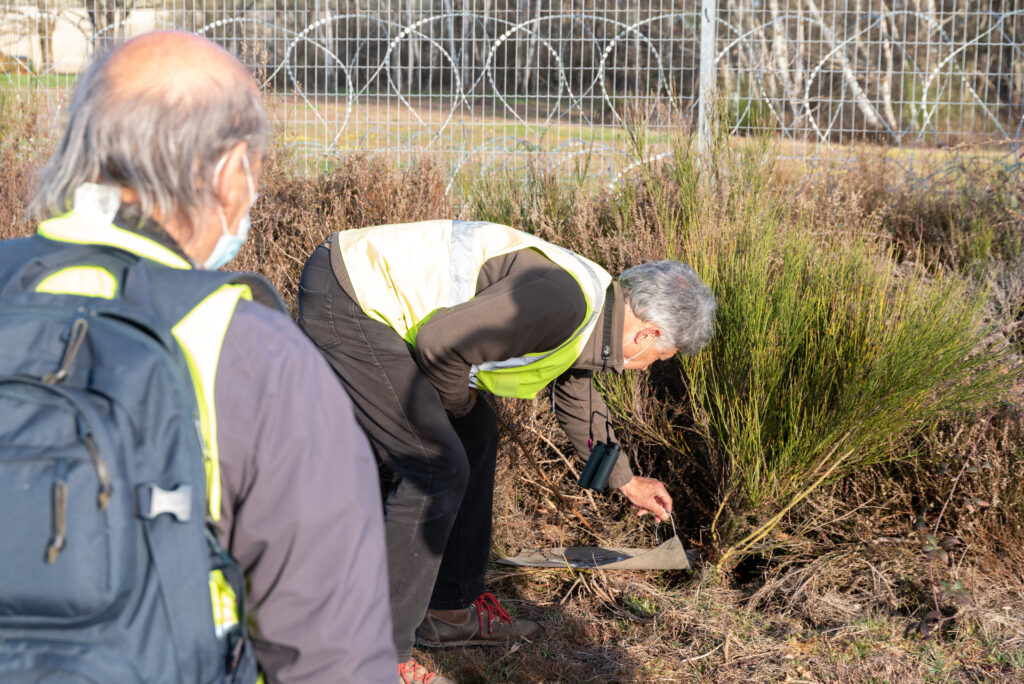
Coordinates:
827 357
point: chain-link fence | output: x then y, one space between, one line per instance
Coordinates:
496 82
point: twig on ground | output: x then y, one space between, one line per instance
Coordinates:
563 503
956 481
515 647
569 593
938 520
701 656
568 462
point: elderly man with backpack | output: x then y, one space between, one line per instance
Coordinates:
418 320
177 463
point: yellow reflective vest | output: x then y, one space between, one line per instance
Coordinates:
403 273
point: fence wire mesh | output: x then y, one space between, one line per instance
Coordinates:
580 85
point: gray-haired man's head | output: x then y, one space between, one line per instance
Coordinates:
154 117
670 296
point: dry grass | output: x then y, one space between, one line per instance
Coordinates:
845 591
846 599
294 214
962 214
20 155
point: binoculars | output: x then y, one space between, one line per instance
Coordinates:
599 466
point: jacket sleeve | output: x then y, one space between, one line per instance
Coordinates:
533 308
576 400
301 509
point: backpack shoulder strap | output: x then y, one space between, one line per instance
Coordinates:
25 262
164 294
261 289
147 282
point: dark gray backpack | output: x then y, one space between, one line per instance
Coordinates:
105 548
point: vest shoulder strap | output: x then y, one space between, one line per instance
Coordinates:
25 262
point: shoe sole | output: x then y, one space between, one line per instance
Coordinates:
468 642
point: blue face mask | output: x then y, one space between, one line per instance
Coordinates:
228 245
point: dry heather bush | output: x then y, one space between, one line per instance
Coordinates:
20 155
295 213
940 532
639 221
964 215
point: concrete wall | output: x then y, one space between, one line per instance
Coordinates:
72 33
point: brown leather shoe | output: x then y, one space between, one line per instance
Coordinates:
483 623
412 672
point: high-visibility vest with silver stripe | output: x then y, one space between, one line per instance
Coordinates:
403 273
200 334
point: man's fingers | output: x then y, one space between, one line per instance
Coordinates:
659 508
664 498
657 511
649 496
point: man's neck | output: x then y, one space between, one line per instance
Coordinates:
129 217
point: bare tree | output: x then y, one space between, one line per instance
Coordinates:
109 21
46 22
888 30
839 54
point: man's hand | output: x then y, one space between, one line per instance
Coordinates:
467 410
648 496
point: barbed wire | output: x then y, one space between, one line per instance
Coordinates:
545 84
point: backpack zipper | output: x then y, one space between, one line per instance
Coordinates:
60 511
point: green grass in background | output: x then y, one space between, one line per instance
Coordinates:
30 81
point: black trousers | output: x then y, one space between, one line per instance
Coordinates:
438 512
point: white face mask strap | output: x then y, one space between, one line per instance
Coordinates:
223 221
248 179
655 337
639 352
245 164
218 168
216 178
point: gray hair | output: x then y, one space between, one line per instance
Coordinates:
159 144
672 296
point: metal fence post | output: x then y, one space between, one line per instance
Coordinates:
705 112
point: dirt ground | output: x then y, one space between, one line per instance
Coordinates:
863 610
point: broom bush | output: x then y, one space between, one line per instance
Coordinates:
827 357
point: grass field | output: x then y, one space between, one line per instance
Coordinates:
49 81
847 457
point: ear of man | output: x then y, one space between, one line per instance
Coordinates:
645 335
231 184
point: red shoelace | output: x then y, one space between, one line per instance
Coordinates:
488 603
418 672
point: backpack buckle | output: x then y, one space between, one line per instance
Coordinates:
153 501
